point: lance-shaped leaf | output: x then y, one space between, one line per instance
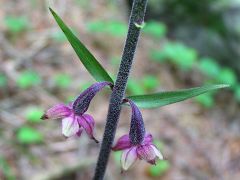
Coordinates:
88 60
170 97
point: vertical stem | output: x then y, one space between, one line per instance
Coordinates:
136 17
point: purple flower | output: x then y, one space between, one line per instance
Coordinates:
131 153
74 119
137 144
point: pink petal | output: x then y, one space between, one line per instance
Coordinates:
57 111
122 143
147 153
79 132
157 152
87 122
129 156
70 126
147 139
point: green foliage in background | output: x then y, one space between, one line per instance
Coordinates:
135 87
209 67
147 84
58 36
155 29
16 24
62 80
227 75
150 82
113 28
206 100
177 53
117 157
159 169
162 166
237 92
187 59
3 80
27 135
6 169
34 114
28 78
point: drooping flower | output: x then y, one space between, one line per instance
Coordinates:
74 119
137 144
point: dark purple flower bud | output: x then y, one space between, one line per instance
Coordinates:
82 102
137 129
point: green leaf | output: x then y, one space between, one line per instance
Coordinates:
117 157
3 80
134 87
16 24
228 76
237 92
63 80
28 79
88 60
28 135
155 29
150 82
114 28
159 169
179 54
209 67
206 100
5 168
170 97
34 114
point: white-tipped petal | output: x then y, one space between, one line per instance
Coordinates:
129 156
157 152
70 126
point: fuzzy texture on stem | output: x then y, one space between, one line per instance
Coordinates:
136 17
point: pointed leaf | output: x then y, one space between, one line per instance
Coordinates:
169 97
88 60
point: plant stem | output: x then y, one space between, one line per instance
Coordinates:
136 18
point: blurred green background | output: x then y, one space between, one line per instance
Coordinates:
185 43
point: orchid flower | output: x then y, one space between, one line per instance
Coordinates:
74 119
137 144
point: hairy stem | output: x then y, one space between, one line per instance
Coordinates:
136 19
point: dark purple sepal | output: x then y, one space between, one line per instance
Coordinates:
137 129
81 104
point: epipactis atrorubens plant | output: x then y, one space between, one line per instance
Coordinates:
137 144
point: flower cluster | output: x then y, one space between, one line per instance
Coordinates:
136 145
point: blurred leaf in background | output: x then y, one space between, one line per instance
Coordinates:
228 76
28 78
117 157
113 28
3 81
237 93
5 168
176 53
58 36
150 82
62 80
16 24
159 169
28 135
209 67
135 87
206 100
155 29
33 114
